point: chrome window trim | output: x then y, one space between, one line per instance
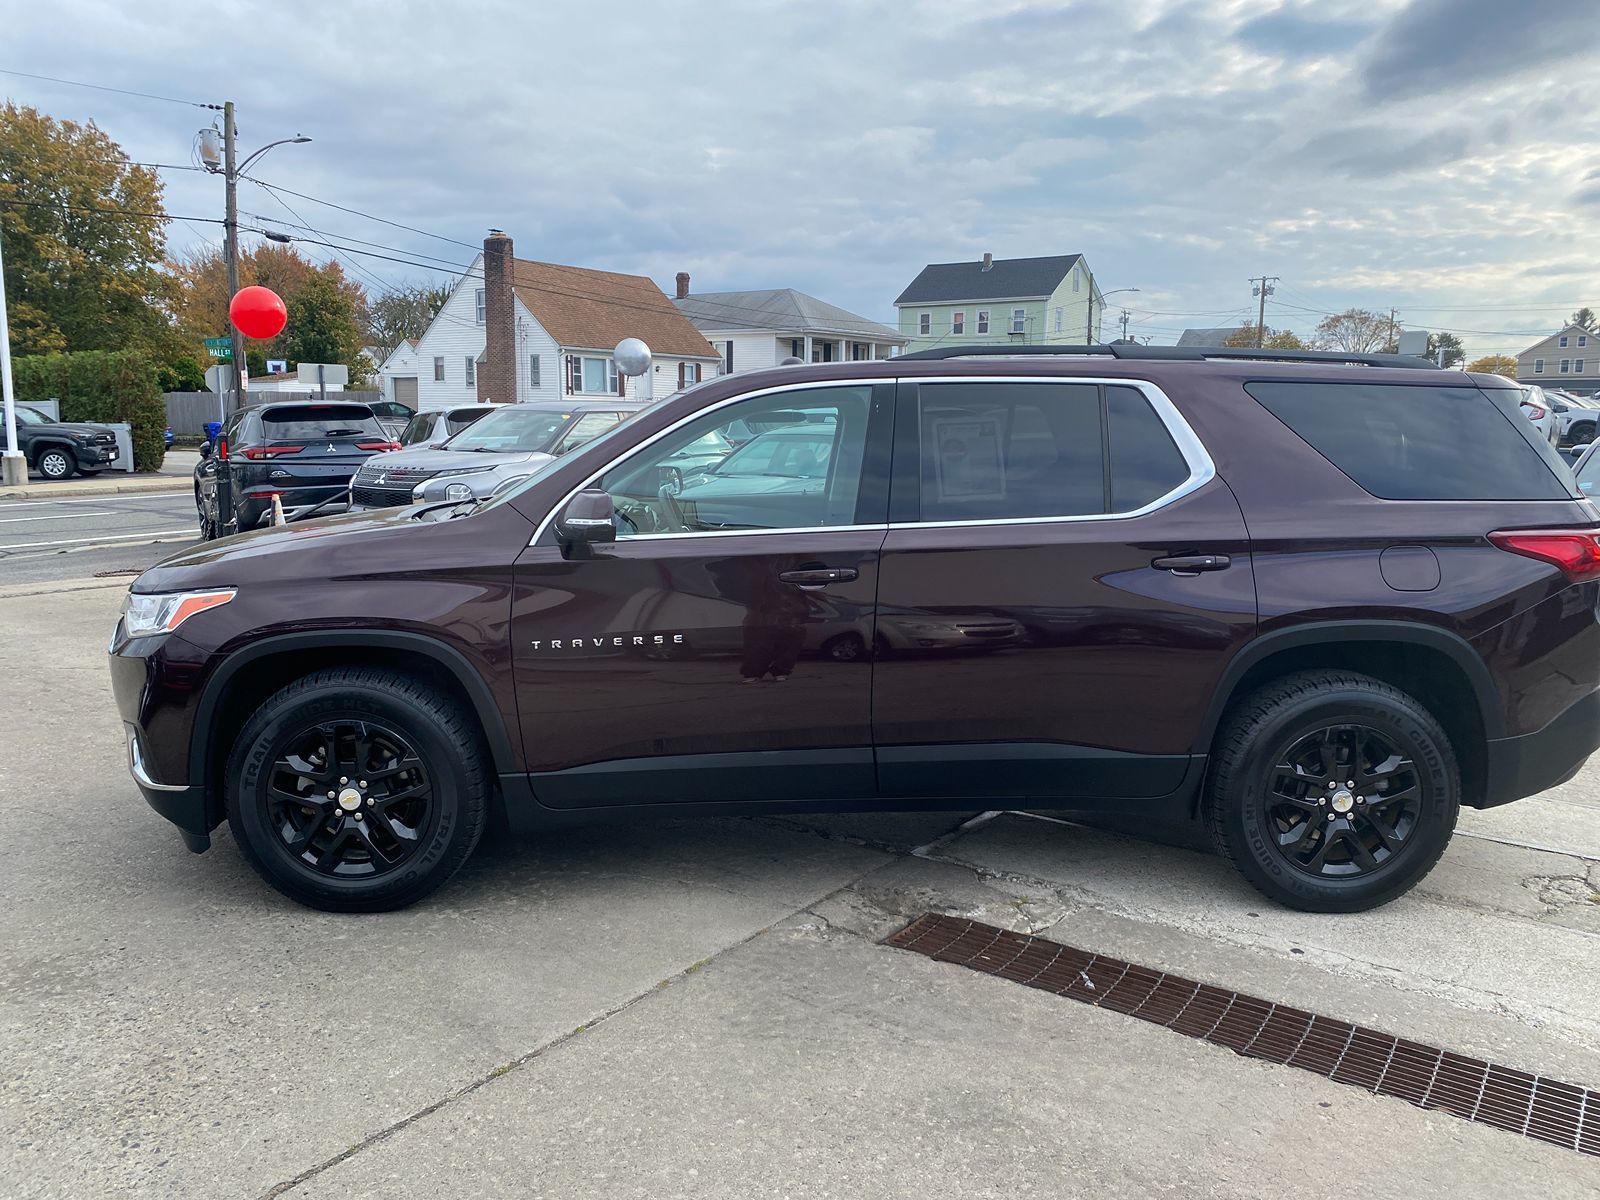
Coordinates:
1201 468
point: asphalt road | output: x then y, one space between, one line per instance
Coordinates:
81 536
705 1008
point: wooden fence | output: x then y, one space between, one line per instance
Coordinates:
188 412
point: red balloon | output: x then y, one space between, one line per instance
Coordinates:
258 312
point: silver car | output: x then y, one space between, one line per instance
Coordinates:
1540 409
508 444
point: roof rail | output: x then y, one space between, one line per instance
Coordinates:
1179 354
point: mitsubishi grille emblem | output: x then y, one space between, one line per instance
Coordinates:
331 449
381 477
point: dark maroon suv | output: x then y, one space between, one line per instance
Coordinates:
1319 603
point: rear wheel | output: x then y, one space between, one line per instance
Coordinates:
56 462
1332 792
1581 432
358 790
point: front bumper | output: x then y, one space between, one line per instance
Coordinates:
95 455
181 803
1526 765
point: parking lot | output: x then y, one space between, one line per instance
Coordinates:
76 536
705 1008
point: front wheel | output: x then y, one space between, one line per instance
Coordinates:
1332 792
358 790
55 463
1581 433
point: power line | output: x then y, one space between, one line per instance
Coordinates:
356 212
115 212
100 87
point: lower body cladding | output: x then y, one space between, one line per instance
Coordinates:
255 505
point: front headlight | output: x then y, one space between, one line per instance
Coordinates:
148 615
458 491
460 471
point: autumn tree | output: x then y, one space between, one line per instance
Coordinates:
1356 331
400 313
1244 337
84 234
1495 364
331 311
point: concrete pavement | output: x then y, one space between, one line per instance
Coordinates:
77 536
702 1008
175 475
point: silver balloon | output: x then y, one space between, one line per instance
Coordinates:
632 356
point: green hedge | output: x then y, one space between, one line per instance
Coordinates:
111 386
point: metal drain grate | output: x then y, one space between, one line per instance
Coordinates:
1426 1076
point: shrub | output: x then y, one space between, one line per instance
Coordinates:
111 386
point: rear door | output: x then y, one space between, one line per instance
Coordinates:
1063 582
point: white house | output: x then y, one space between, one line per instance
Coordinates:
1568 360
758 329
287 381
519 331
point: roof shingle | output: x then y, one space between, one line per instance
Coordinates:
594 310
782 310
1007 279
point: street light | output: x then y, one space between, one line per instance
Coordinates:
1089 335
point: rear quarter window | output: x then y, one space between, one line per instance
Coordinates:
1405 442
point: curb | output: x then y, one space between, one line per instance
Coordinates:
58 492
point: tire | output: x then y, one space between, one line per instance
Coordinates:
56 463
847 647
1581 432
90 474
1332 849
208 527
377 845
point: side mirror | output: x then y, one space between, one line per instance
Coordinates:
669 481
587 519
205 450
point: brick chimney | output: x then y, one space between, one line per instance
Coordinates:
988 261
683 285
497 371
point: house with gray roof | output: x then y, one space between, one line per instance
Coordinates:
762 328
1002 301
1207 337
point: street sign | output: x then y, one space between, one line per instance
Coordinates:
330 374
220 347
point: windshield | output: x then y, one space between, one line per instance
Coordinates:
519 428
31 416
790 453
1589 476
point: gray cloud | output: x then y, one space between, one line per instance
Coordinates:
1446 45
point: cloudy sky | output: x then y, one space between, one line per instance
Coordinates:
1438 156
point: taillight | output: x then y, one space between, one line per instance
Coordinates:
1535 413
271 451
1577 552
222 449
377 445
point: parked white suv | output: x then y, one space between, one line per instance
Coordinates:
1540 409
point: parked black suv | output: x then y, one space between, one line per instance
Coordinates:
304 452
1318 601
57 449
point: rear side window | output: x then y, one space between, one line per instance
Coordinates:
1013 451
1401 442
319 421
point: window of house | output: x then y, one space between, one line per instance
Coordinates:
688 373
533 370
1563 341
958 322
1583 339
1075 279
983 320
1538 366
1019 320
438 369
593 376
482 309
472 371
1577 367
727 357
818 435
924 323
1058 318
1566 365
797 347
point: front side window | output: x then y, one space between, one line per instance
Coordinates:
1589 476
1386 438
482 311
416 430
983 320
958 322
1019 320
925 324
801 471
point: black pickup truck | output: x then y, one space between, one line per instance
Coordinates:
56 449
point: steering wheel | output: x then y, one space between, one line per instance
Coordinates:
674 512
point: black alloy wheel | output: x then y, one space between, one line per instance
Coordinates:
356 789
350 799
1332 791
1342 801
56 463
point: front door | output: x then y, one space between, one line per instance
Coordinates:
720 649
1063 583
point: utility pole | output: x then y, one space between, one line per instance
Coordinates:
1263 288
1125 316
13 467
1391 341
230 181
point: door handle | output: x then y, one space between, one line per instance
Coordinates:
1192 564
818 577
